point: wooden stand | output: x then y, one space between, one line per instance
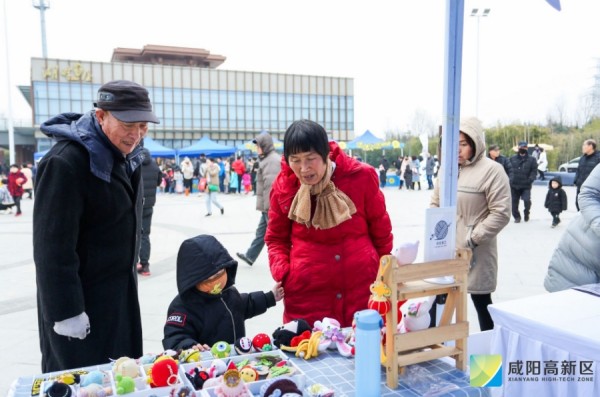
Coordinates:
406 282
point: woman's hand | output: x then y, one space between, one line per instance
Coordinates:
278 292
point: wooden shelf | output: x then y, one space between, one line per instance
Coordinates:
406 282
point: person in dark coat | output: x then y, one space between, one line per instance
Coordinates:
556 199
494 154
524 168
209 308
151 177
587 162
86 230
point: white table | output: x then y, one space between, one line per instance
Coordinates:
560 329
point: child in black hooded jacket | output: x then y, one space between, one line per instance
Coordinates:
556 199
209 308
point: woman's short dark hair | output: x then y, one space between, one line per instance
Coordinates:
304 136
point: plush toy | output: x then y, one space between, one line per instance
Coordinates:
262 342
417 315
189 356
147 359
243 345
95 377
220 349
184 391
284 334
332 337
217 367
163 373
69 378
125 384
126 366
280 388
197 377
319 390
59 389
249 374
406 253
94 390
232 385
380 292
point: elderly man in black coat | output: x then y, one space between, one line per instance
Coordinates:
86 230
524 172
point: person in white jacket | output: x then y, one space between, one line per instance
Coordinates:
542 164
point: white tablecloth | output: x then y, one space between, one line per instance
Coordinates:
549 330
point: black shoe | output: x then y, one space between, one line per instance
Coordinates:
244 258
526 217
517 220
222 211
209 214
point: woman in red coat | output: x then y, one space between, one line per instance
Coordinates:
328 227
16 179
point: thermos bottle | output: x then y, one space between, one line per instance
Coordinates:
367 366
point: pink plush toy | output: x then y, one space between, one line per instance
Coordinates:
332 336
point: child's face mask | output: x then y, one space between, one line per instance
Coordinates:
215 284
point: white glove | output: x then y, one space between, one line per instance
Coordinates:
74 327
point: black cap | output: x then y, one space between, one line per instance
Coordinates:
127 101
523 144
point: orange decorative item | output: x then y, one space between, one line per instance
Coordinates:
380 292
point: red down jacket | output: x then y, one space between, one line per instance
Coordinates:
327 273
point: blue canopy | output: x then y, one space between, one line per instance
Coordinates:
368 141
157 150
38 155
208 147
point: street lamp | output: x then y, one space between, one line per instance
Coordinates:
475 12
42 5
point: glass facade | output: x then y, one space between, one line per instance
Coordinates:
229 106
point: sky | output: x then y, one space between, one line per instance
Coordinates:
534 61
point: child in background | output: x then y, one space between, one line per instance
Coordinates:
247 182
408 176
556 199
6 200
233 182
209 308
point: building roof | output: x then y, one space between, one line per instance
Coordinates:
167 55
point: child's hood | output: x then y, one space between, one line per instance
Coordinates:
199 258
557 179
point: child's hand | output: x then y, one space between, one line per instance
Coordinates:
278 292
201 347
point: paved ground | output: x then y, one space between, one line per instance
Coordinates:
525 250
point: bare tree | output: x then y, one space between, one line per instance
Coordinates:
422 123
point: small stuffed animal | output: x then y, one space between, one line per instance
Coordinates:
280 388
243 345
232 384
127 367
125 384
197 377
406 253
332 336
163 373
262 342
94 390
221 349
284 334
417 315
59 389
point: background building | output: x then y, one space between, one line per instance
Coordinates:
191 98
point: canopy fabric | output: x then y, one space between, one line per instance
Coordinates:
367 141
207 147
157 150
38 155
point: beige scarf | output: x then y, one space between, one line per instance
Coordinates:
332 205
